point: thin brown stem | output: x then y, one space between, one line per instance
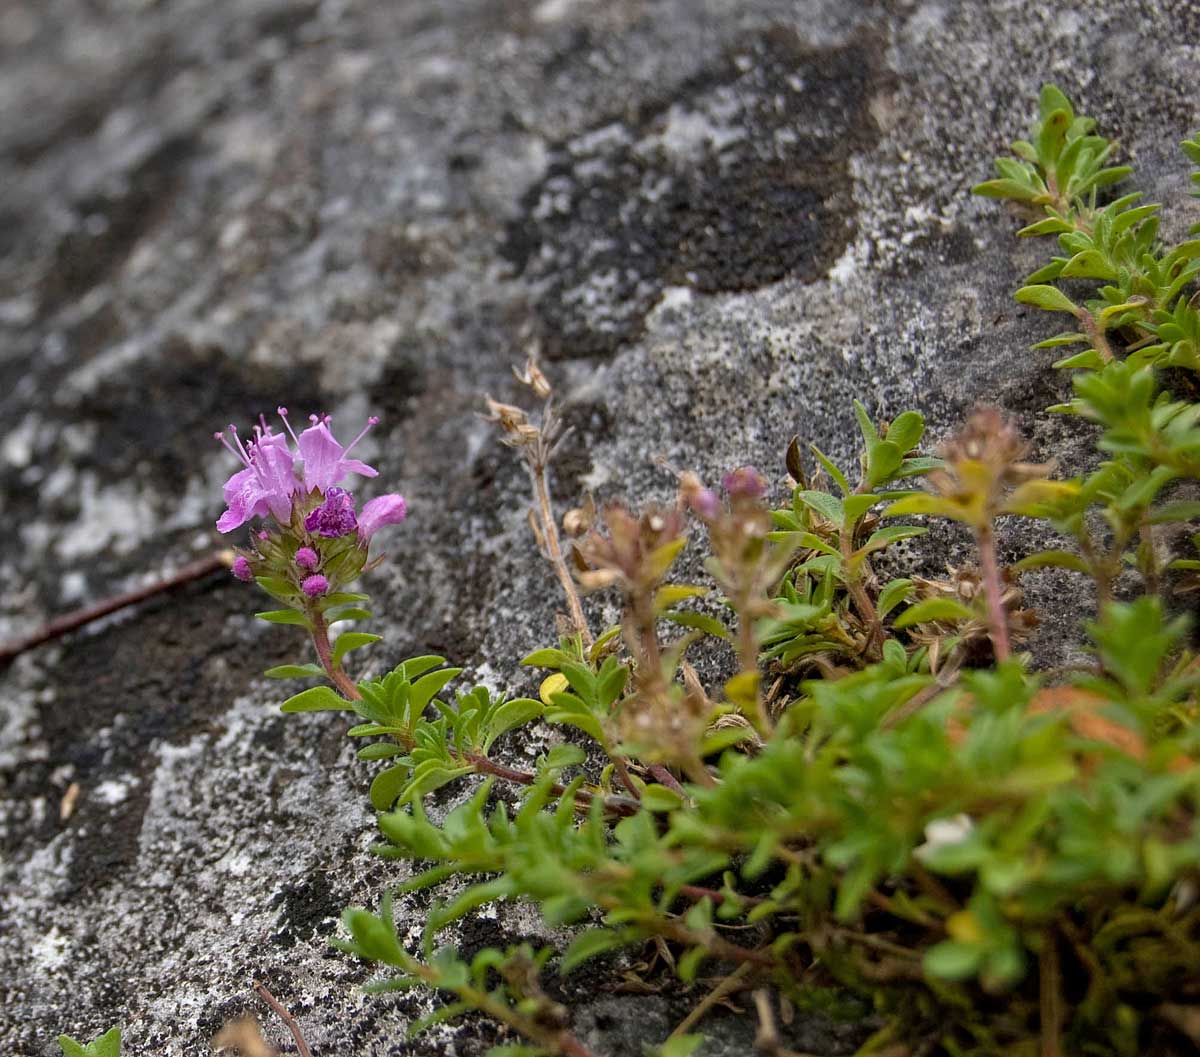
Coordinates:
537 470
614 805
696 893
731 983
1050 980
665 777
1149 565
68 622
862 600
1095 335
994 589
301 1046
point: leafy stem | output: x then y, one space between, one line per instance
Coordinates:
993 587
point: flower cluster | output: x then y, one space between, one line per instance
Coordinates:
319 541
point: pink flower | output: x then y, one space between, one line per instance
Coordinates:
315 586
274 474
266 484
307 558
385 510
325 462
744 481
241 568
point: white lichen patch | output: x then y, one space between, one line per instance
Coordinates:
116 516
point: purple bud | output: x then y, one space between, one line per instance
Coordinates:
744 481
242 570
705 503
315 586
307 558
384 510
335 516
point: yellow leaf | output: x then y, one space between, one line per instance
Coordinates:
660 559
742 689
964 927
671 594
554 683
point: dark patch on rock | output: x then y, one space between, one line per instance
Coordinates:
400 382
110 223
187 392
118 696
307 910
627 210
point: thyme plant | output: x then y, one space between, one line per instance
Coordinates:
880 798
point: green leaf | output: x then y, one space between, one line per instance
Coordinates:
278 587
1006 189
660 798
388 785
1059 558
429 686
285 616
379 750
347 613
1089 359
1069 337
563 756
951 960
828 506
351 640
831 469
906 430
509 715
890 534
939 609
1090 264
865 426
317 699
1048 226
892 595
547 658
921 464
70 1047
108 1044
1049 298
676 1046
295 671
589 944
1186 510
688 618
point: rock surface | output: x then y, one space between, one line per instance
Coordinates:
718 221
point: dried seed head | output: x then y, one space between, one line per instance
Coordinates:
533 377
576 522
509 418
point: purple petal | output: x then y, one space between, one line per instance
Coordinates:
320 453
385 510
244 497
238 484
346 466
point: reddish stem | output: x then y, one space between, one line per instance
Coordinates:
994 589
60 626
337 675
286 1017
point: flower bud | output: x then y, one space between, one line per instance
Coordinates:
315 586
241 569
307 558
744 481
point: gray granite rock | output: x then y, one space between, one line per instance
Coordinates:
718 220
